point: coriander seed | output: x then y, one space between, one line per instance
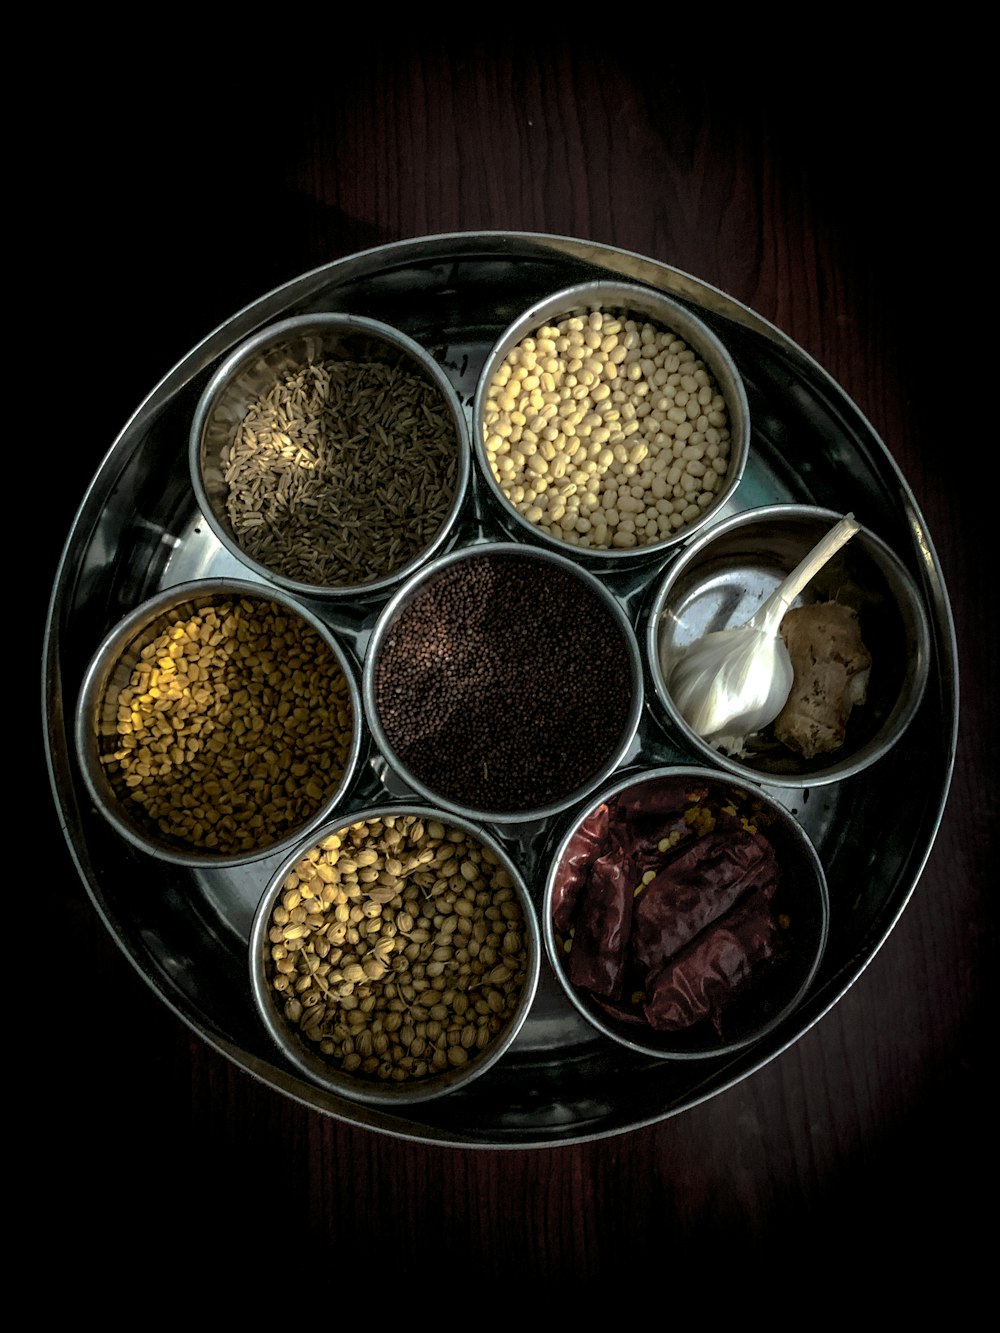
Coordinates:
400 1004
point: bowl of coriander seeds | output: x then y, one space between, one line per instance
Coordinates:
610 422
394 956
330 455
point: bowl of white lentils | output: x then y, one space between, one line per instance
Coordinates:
394 956
218 722
330 455
610 421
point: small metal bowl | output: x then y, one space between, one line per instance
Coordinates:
274 799
538 488
382 998
685 967
721 579
472 714
342 517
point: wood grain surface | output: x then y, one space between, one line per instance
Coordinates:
827 198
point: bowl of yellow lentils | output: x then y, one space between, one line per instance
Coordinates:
610 422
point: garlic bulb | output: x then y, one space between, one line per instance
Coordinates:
733 682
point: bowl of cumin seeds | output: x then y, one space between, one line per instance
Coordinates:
330 455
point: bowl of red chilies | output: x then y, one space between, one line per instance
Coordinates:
685 913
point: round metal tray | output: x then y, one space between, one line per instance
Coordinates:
139 530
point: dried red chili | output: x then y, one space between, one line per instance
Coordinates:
574 867
664 895
600 944
697 888
699 981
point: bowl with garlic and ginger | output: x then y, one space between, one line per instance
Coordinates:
857 637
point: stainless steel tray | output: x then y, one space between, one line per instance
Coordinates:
138 530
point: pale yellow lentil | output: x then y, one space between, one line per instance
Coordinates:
606 432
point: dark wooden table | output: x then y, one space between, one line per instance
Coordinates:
832 211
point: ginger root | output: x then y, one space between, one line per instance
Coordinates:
831 666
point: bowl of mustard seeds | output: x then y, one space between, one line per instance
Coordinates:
503 682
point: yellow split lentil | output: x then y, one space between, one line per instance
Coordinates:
233 728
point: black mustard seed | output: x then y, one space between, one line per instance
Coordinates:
505 684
